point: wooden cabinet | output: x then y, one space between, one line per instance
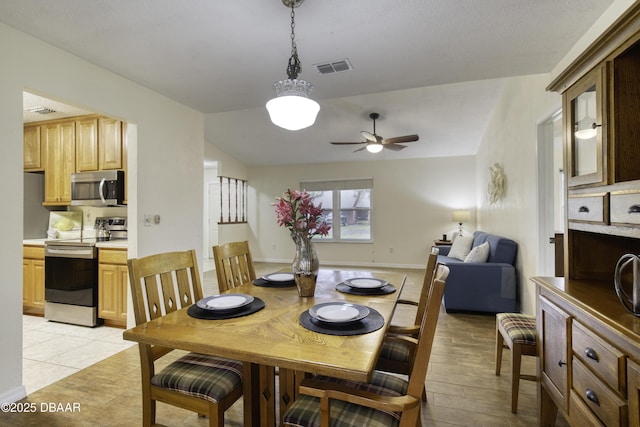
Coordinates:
87 144
59 140
602 378
113 282
33 152
33 280
584 123
110 143
554 327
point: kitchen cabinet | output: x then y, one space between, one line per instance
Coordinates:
87 144
110 143
33 280
59 140
33 152
113 282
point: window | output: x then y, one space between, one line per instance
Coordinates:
347 208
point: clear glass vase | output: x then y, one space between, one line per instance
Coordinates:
305 266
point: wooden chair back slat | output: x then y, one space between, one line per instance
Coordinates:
426 284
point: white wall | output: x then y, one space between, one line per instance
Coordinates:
511 140
167 159
412 205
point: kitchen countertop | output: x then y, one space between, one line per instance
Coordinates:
111 244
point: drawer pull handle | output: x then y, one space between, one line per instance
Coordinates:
592 396
583 209
634 209
561 363
591 354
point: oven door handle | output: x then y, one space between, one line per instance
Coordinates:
101 190
70 253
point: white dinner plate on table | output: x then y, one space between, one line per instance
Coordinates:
366 283
225 302
279 277
338 312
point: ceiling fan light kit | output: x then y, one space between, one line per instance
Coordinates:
292 109
375 143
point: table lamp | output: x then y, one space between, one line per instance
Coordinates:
460 216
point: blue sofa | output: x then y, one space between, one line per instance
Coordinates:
489 287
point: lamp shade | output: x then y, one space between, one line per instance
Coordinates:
460 215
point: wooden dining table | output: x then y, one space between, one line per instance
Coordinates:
274 338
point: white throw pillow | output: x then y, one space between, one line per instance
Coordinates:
460 247
478 254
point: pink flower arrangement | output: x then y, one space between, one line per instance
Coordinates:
297 212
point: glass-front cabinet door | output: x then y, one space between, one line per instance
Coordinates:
585 131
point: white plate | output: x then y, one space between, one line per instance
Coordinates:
225 302
338 312
365 283
279 277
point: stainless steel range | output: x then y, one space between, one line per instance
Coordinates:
71 275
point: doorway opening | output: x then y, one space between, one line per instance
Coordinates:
551 197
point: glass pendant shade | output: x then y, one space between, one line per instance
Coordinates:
292 109
587 128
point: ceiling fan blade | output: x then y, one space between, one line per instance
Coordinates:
370 136
405 138
360 149
347 143
394 147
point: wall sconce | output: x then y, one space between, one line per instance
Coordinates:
460 216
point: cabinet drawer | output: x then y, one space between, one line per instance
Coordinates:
33 252
609 408
593 208
625 208
603 359
112 256
580 414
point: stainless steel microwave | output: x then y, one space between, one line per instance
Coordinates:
103 188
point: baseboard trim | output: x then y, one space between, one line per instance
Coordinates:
14 395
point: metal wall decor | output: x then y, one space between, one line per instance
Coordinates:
497 182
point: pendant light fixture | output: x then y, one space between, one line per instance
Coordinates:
292 109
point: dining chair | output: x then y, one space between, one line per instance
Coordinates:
387 400
396 354
208 385
234 264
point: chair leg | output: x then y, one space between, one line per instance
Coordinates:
499 347
148 411
516 357
216 416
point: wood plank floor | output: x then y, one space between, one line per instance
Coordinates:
462 389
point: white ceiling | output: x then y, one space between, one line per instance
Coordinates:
432 67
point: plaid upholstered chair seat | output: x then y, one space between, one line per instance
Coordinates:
199 375
306 410
396 350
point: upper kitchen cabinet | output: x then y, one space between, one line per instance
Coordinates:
87 144
59 142
110 143
33 152
586 140
98 144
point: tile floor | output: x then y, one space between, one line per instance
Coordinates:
52 351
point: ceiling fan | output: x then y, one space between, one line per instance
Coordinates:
375 143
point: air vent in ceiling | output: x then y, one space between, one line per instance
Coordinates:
334 67
40 110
